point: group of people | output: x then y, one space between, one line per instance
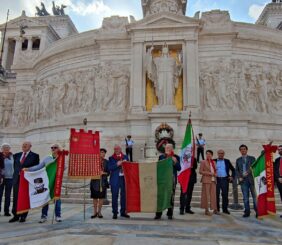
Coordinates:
216 173
11 166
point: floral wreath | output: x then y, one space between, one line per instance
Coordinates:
164 135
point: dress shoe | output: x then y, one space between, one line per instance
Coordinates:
22 220
189 211
169 217
7 214
157 217
14 219
125 216
216 212
226 212
115 216
100 216
181 212
246 215
94 216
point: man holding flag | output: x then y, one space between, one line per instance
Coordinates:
263 174
187 162
24 159
55 149
278 172
169 153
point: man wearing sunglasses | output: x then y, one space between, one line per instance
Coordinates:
55 148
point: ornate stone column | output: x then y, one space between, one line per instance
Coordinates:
5 53
191 88
137 86
18 48
29 44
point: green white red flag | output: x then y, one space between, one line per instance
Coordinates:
148 186
264 182
38 188
186 157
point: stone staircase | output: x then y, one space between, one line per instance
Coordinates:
71 193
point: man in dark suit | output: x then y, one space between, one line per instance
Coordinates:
246 179
186 198
223 168
278 172
176 167
117 182
24 159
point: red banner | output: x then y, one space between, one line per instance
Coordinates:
60 173
270 195
84 162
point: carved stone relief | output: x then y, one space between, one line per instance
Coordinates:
235 85
103 88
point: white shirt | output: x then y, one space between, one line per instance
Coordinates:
130 143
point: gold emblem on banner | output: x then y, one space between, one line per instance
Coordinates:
75 139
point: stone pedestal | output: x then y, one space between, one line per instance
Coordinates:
164 109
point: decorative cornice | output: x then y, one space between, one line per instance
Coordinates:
271 8
151 7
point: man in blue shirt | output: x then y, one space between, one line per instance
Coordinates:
201 143
129 147
223 168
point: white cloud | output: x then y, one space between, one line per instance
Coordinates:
94 7
255 10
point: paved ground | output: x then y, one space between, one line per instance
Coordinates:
141 229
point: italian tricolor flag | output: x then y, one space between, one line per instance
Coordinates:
264 182
148 186
37 188
186 157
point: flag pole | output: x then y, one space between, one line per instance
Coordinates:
84 181
53 216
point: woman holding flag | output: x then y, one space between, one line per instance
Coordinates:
208 172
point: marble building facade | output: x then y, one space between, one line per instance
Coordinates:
230 79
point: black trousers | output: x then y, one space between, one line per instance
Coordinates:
15 199
129 153
200 152
186 198
222 185
279 186
6 186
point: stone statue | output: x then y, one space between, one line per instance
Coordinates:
164 72
57 10
42 11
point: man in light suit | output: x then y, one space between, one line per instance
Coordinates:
223 168
246 179
278 172
24 159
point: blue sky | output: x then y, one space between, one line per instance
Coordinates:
88 14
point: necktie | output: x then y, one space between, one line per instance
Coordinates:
23 158
280 168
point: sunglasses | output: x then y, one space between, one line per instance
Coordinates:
54 147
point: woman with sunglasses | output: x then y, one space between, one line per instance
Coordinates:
55 148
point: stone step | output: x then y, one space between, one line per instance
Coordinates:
73 193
